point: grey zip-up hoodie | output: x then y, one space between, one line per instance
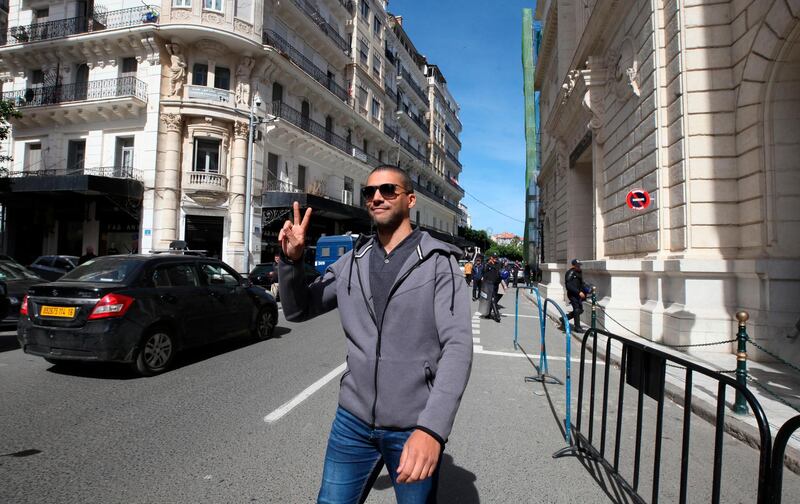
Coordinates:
410 369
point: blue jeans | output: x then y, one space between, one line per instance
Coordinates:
356 454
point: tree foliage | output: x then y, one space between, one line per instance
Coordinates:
512 251
477 236
7 111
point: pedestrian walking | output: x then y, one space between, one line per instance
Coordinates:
490 285
515 272
468 272
477 278
573 281
405 374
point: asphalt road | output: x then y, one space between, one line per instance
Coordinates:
98 434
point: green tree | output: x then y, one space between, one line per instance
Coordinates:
7 111
477 236
512 251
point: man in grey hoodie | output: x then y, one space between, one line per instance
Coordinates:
405 310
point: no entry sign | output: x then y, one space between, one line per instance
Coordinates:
638 199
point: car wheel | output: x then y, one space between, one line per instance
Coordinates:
156 353
265 324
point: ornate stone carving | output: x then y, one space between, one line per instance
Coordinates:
177 69
243 72
624 65
569 84
213 18
210 48
240 129
180 14
241 26
173 122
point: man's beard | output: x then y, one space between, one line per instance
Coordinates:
389 220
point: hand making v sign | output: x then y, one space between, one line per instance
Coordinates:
292 236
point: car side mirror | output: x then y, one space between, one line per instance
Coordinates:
216 279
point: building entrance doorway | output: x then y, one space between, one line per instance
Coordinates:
204 233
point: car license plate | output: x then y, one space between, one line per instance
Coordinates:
57 311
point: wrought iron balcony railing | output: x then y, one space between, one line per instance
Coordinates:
293 116
453 158
305 64
275 185
78 91
452 135
120 172
413 151
453 183
73 26
416 120
348 5
409 80
439 199
390 131
315 16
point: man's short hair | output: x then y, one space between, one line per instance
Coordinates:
407 184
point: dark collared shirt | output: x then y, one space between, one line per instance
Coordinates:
383 269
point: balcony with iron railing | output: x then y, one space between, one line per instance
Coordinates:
348 6
117 172
416 120
453 158
412 150
79 91
293 116
316 17
122 18
452 135
298 58
390 131
453 183
436 197
409 81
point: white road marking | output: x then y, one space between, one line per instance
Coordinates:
479 349
520 316
476 340
476 331
302 396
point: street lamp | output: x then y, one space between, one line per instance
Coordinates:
248 197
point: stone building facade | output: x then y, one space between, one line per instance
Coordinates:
697 103
135 122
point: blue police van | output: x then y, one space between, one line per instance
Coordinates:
330 248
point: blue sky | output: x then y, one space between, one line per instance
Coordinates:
477 45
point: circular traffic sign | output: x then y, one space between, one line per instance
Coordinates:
638 199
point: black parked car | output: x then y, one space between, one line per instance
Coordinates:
142 310
18 280
53 267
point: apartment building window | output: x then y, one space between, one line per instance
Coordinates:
200 74
128 67
206 158
301 177
244 9
347 192
363 50
364 7
277 92
222 78
376 27
376 109
37 78
181 3
362 98
376 66
41 15
33 156
213 5
123 159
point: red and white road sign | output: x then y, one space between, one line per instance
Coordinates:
638 199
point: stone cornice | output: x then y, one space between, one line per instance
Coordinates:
549 35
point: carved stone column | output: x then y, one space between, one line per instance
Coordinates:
168 184
237 186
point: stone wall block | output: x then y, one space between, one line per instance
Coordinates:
721 123
711 168
766 43
741 47
647 242
750 93
722 190
715 57
650 182
714 236
750 211
707 15
750 162
650 219
757 68
738 27
751 186
747 116
711 101
751 235
708 80
649 143
758 9
749 139
677 194
675 174
636 225
794 7
711 214
677 216
708 36
738 7
629 245
712 146
780 19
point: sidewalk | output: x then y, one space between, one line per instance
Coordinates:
782 382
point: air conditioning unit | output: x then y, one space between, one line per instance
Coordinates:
347 197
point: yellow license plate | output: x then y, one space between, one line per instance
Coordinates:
57 311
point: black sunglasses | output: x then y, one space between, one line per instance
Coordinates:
388 191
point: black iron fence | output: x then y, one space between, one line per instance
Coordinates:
78 91
452 135
293 116
436 197
325 27
120 172
390 131
416 120
82 24
412 150
299 59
